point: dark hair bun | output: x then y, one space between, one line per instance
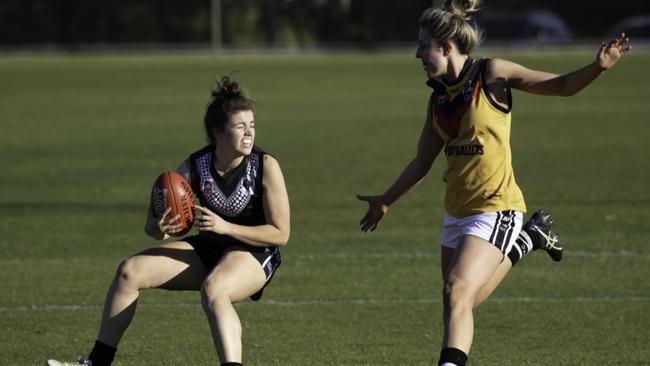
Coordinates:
227 88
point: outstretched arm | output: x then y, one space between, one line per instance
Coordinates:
429 146
544 83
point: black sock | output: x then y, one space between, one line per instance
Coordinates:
523 244
231 364
453 355
102 354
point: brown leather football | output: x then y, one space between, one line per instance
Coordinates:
173 190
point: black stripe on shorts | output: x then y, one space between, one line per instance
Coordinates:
503 228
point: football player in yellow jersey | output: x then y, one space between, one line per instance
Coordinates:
468 119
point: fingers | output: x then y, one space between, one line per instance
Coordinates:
164 220
202 209
619 42
173 229
164 214
374 214
173 220
370 221
369 225
170 226
610 53
205 222
205 218
365 218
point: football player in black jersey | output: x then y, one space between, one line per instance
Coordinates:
242 219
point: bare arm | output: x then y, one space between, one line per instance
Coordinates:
429 147
276 210
544 83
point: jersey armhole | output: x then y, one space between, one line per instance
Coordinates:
195 179
487 93
185 170
262 155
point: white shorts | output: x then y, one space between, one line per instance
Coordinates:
499 228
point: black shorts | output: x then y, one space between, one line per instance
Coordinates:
211 248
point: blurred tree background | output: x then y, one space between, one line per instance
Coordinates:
72 24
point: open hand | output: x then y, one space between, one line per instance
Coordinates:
610 53
169 225
376 211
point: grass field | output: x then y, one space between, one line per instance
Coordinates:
83 138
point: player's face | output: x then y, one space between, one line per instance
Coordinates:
431 54
239 132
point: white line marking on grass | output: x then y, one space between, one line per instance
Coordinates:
319 302
618 254
344 256
438 300
432 254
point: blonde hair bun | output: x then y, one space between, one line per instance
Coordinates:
452 22
463 8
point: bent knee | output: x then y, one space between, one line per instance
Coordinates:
458 293
129 273
214 291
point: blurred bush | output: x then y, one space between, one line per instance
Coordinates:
301 23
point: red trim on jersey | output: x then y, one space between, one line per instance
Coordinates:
450 113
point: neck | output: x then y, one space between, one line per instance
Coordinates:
225 161
454 68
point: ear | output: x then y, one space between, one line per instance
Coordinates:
447 47
216 131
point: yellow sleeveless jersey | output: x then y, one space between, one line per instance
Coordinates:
476 132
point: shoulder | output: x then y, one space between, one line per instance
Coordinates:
185 169
493 68
271 172
502 69
270 163
497 64
202 151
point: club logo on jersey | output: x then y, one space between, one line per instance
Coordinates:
466 148
207 185
248 185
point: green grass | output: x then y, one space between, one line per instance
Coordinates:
83 138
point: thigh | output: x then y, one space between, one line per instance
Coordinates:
452 231
171 266
499 228
474 263
446 257
238 273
